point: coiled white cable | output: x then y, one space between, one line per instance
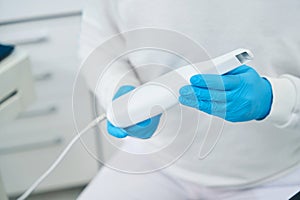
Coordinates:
61 156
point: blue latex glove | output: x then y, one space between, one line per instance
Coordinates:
143 130
240 95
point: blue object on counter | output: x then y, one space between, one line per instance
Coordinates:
5 51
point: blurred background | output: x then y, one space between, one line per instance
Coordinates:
37 128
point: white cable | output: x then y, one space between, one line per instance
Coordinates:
61 156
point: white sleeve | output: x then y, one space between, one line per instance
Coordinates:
100 21
285 111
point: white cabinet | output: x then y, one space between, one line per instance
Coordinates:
30 144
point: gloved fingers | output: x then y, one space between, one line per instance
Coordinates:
213 108
123 90
239 70
215 82
115 131
112 130
154 121
138 127
203 94
189 101
150 122
205 106
209 107
144 129
194 103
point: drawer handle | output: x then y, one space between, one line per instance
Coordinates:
39 112
26 37
31 145
8 97
43 76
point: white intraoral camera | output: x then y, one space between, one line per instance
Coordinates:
138 104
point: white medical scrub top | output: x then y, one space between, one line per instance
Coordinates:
246 153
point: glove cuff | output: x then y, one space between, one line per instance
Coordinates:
284 97
268 100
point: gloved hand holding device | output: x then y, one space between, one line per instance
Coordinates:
237 96
143 130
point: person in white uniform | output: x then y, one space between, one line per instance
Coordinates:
258 153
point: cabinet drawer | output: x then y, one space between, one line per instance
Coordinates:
20 169
55 84
30 144
40 116
49 43
45 115
52 48
15 10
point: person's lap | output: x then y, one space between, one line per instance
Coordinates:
111 184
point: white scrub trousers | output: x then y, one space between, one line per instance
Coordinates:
113 185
